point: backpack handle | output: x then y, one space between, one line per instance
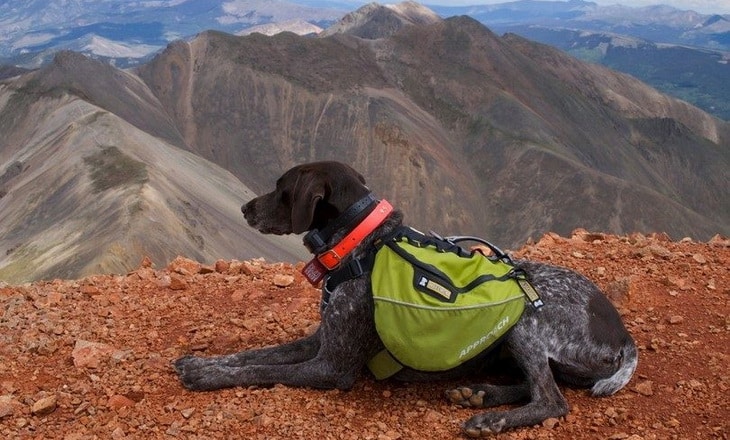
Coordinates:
454 239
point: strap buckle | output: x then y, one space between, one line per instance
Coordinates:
330 259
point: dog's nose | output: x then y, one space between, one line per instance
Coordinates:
248 210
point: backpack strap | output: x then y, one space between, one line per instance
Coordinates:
356 268
532 296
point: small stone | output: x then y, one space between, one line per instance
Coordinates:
250 268
145 273
146 262
117 402
660 236
589 237
660 251
281 280
579 255
6 409
550 423
238 295
8 386
719 240
205 269
695 384
184 266
387 393
673 281
619 291
44 406
676 319
673 423
174 429
187 412
432 416
699 258
222 266
177 282
163 280
645 388
89 290
88 354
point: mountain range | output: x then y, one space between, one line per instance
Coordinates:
466 131
682 53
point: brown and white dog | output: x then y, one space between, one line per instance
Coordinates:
577 336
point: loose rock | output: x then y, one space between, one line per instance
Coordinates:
177 282
44 406
6 409
281 280
645 388
117 401
88 354
676 319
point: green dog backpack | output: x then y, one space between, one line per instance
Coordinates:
438 305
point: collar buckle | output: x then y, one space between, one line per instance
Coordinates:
330 259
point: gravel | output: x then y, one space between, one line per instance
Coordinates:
90 358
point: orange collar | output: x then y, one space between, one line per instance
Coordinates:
329 260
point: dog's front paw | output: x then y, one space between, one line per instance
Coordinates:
466 396
196 373
188 363
484 425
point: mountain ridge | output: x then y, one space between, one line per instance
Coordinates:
688 60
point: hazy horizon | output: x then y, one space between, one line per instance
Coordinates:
701 6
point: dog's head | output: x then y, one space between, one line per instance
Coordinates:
306 197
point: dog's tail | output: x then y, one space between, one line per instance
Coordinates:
629 360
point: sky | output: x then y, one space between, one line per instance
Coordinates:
702 6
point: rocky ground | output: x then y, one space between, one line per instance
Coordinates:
90 358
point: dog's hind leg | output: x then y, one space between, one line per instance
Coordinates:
545 399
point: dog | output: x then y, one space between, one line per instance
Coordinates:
577 337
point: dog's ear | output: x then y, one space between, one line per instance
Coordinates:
310 188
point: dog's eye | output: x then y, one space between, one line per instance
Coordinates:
285 198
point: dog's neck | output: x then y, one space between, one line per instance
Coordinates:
352 241
319 240
392 221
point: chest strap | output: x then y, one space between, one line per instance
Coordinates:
350 271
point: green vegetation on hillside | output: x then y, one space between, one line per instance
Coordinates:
110 168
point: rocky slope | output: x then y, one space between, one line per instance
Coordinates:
90 358
86 192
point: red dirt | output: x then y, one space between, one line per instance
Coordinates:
673 297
